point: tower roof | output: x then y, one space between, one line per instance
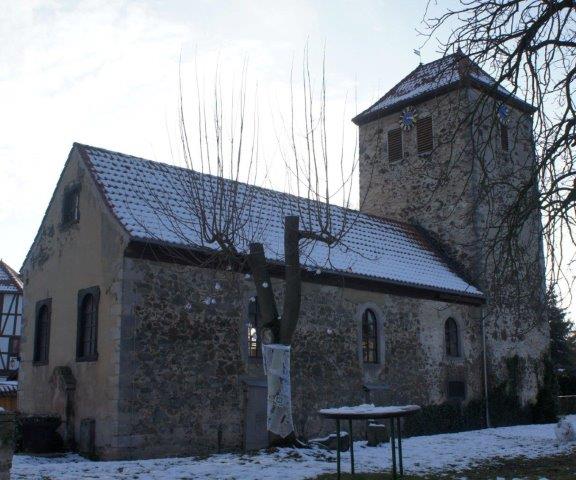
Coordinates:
434 78
10 281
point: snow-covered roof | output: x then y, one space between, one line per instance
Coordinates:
8 389
151 201
430 78
10 281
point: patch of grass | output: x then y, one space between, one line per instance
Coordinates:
365 476
557 467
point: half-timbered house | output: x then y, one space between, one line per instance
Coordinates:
11 321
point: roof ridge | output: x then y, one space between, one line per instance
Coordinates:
389 92
434 78
387 250
258 187
402 80
445 57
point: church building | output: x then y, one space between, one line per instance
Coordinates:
144 349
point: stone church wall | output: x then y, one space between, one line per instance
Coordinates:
514 278
430 189
184 366
451 194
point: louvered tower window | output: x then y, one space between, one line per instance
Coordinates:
504 137
395 145
424 136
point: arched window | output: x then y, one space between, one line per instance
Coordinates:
42 332
87 340
452 339
369 337
254 348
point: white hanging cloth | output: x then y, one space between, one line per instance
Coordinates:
276 359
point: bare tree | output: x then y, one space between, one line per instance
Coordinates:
221 212
529 47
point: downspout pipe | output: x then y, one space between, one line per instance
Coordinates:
485 371
478 260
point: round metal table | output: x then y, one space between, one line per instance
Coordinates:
369 412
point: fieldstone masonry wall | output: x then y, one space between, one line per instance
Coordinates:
431 189
183 361
451 193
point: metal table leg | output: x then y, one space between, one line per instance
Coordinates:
400 447
393 444
351 439
338 449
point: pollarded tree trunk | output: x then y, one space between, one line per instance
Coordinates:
292 279
277 331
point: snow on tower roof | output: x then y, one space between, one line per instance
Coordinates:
149 200
10 281
439 76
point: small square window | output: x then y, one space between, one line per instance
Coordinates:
71 205
456 390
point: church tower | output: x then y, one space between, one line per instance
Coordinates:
449 150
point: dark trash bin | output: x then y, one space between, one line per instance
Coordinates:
39 435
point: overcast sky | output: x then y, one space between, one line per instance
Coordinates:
105 73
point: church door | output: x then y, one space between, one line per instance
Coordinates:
255 432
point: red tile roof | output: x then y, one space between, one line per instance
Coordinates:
10 281
433 78
149 199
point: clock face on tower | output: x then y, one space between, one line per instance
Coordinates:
503 114
408 118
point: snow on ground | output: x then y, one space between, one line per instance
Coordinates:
421 454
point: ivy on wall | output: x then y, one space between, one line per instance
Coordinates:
546 408
505 406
